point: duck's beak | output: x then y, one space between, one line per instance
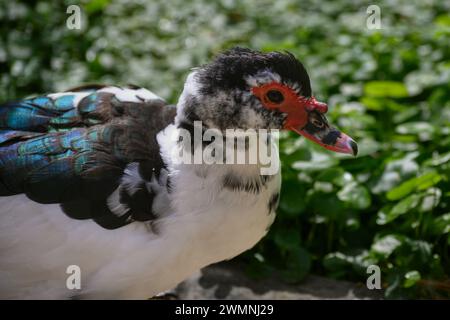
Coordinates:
308 119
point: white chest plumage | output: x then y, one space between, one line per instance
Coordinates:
201 223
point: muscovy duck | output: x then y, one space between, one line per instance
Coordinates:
89 177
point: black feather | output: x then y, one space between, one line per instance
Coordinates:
229 69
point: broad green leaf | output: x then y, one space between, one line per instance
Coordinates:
294 149
411 278
256 269
395 106
333 175
386 245
428 181
402 116
431 199
325 187
438 160
96 5
391 89
421 182
394 284
337 176
416 81
319 161
352 223
441 224
326 204
405 205
443 20
297 155
291 200
355 195
338 262
395 171
288 239
382 215
372 103
421 249
423 130
298 265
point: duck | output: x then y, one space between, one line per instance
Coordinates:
106 179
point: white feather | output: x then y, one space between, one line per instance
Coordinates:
131 178
113 203
131 95
262 77
203 224
122 94
78 96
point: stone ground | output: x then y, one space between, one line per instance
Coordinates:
228 281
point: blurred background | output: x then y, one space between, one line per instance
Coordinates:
388 88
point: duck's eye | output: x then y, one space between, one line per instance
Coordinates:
275 96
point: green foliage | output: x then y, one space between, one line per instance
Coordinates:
387 88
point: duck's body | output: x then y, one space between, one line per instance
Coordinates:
140 259
94 178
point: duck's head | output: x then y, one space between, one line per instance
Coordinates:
246 89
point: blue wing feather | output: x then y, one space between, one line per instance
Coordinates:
71 148
44 139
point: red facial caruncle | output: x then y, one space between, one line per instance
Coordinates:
305 115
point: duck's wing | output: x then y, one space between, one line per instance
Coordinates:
92 149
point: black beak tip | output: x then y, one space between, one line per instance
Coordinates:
354 147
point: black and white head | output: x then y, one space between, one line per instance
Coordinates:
246 89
